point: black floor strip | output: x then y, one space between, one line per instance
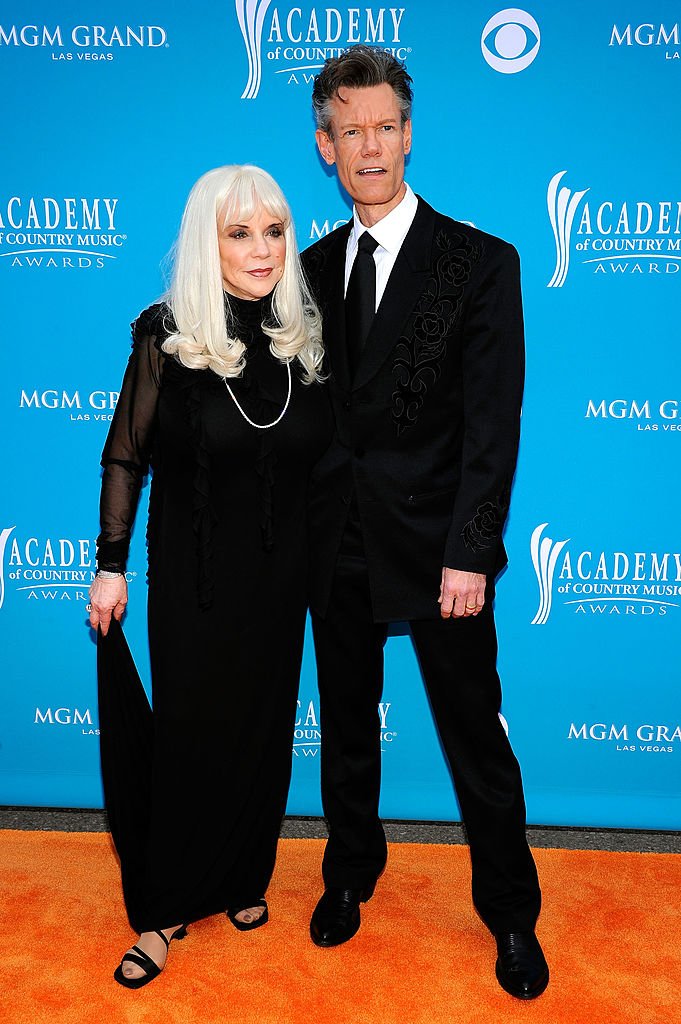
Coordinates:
43 819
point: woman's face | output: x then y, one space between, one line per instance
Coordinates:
252 254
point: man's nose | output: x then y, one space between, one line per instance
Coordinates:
371 143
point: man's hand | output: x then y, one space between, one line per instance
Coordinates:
461 593
107 597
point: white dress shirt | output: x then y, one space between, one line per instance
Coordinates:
390 233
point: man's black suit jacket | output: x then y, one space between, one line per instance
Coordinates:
427 432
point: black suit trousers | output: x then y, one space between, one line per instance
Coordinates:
458 662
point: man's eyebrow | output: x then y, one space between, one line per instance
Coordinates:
356 124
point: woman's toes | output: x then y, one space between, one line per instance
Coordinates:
131 970
249 915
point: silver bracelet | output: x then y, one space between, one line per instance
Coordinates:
104 574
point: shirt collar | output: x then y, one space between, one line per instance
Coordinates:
391 230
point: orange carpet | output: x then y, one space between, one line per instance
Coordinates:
611 928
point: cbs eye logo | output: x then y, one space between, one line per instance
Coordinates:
510 41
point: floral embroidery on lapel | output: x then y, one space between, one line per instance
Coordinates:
421 349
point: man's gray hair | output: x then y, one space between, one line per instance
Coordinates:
360 67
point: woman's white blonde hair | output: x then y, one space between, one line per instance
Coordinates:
203 336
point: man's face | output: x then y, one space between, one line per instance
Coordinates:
368 144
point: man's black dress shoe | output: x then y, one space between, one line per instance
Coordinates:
521 967
336 916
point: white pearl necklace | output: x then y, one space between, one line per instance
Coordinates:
264 426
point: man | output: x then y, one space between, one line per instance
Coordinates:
423 328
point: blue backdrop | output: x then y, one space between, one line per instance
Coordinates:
554 126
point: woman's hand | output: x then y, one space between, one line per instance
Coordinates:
107 597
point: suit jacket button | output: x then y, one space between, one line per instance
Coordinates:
410 499
347 406
359 452
346 499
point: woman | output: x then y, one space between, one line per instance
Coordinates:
221 396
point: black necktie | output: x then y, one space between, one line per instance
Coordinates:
360 299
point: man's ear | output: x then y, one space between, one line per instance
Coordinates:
406 131
325 146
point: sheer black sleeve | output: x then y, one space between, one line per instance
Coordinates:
129 443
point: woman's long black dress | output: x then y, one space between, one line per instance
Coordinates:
227 603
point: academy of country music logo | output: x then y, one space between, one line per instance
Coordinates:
613 236
48 569
589 582
307 736
510 41
645 416
78 405
295 41
65 233
90 42
660 38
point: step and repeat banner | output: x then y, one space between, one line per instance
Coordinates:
553 125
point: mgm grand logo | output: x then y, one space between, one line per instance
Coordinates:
67 716
642 739
89 42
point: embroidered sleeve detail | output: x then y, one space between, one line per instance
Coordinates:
484 529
